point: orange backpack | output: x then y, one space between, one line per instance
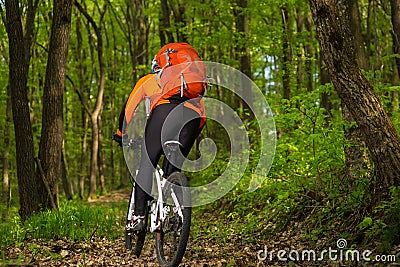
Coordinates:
180 71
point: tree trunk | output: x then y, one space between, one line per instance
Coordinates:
286 54
304 72
50 147
6 175
66 182
309 53
179 12
395 7
94 157
242 28
357 159
165 24
324 79
242 54
142 34
336 42
102 159
95 115
80 55
18 76
355 27
85 122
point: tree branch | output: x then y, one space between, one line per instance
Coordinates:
84 104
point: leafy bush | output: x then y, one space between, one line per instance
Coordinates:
383 226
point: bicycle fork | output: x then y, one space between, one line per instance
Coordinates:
158 211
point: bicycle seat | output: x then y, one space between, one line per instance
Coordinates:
172 143
171 147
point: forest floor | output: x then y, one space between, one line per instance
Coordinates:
104 252
224 250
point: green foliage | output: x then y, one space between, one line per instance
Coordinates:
383 226
309 150
307 181
74 221
307 187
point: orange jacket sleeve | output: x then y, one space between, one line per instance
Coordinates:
146 86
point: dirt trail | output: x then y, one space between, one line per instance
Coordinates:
104 252
224 248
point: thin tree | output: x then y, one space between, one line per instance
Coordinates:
395 15
165 32
95 114
336 43
287 53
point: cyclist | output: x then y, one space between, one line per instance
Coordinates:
188 118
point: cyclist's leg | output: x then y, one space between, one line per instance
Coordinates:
150 155
186 126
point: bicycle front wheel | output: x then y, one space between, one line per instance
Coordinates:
173 235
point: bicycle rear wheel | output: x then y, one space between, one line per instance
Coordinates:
135 240
173 235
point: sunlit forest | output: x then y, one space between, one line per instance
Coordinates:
329 71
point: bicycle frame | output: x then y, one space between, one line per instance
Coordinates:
159 211
165 215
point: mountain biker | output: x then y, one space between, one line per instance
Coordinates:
188 118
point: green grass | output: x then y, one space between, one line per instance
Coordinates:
74 221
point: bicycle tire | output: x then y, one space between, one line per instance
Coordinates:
136 238
170 253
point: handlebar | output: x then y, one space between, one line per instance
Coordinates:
130 143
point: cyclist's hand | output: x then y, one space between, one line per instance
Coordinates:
117 138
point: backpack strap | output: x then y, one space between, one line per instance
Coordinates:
167 52
183 84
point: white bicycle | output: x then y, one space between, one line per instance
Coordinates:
170 212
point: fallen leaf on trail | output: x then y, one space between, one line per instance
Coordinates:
64 253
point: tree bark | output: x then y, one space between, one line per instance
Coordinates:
286 50
395 14
6 175
336 42
51 140
395 17
304 72
324 79
80 55
102 159
355 27
242 55
66 181
179 12
18 76
357 159
166 35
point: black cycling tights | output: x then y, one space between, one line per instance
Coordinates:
179 121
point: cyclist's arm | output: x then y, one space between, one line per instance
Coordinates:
121 120
135 97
